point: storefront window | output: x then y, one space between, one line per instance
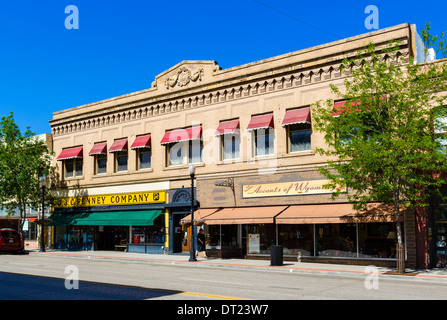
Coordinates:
336 240
74 237
267 236
377 240
229 235
149 234
222 236
296 239
344 240
213 237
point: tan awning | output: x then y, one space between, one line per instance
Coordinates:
336 213
199 214
244 215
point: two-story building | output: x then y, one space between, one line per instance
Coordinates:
122 163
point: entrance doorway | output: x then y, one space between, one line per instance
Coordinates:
181 235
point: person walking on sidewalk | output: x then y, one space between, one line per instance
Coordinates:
201 243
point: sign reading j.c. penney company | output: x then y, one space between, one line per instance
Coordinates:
294 188
112 199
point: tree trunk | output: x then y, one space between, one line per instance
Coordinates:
400 251
22 210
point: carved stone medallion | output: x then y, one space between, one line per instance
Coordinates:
183 77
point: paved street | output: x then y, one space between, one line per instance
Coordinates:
121 278
25 287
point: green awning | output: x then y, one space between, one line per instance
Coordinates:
112 218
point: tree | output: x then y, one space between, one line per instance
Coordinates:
23 161
380 136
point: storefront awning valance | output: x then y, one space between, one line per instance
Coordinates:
335 213
98 148
70 153
294 116
194 133
199 214
119 145
115 218
228 127
244 215
142 142
263 121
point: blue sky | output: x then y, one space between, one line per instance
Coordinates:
121 46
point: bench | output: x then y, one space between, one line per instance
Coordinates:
121 246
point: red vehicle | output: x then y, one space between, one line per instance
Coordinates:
10 240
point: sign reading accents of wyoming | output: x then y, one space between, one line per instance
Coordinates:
185 75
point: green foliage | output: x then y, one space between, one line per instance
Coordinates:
434 41
23 160
381 143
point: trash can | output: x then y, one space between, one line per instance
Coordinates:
276 256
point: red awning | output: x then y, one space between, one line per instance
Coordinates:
98 148
70 153
340 106
301 115
194 133
261 122
119 145
142 142
228 127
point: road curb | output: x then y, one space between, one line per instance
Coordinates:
292 269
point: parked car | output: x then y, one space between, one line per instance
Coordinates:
10 240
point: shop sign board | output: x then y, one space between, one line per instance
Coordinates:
294 188
119 199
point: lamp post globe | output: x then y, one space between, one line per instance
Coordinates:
192 170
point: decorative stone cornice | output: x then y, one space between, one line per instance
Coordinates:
193 84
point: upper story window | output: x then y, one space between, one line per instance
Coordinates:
119 149
440 129
99 152
229 134
299 129
263 139
142 146
263 134
72 159
183 146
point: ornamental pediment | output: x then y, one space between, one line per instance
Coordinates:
185 75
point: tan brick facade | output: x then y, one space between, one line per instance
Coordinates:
194 93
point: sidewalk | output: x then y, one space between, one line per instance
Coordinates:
434 275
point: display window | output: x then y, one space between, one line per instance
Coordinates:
346 240
154 234
74 237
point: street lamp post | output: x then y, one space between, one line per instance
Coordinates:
42 217
192 255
